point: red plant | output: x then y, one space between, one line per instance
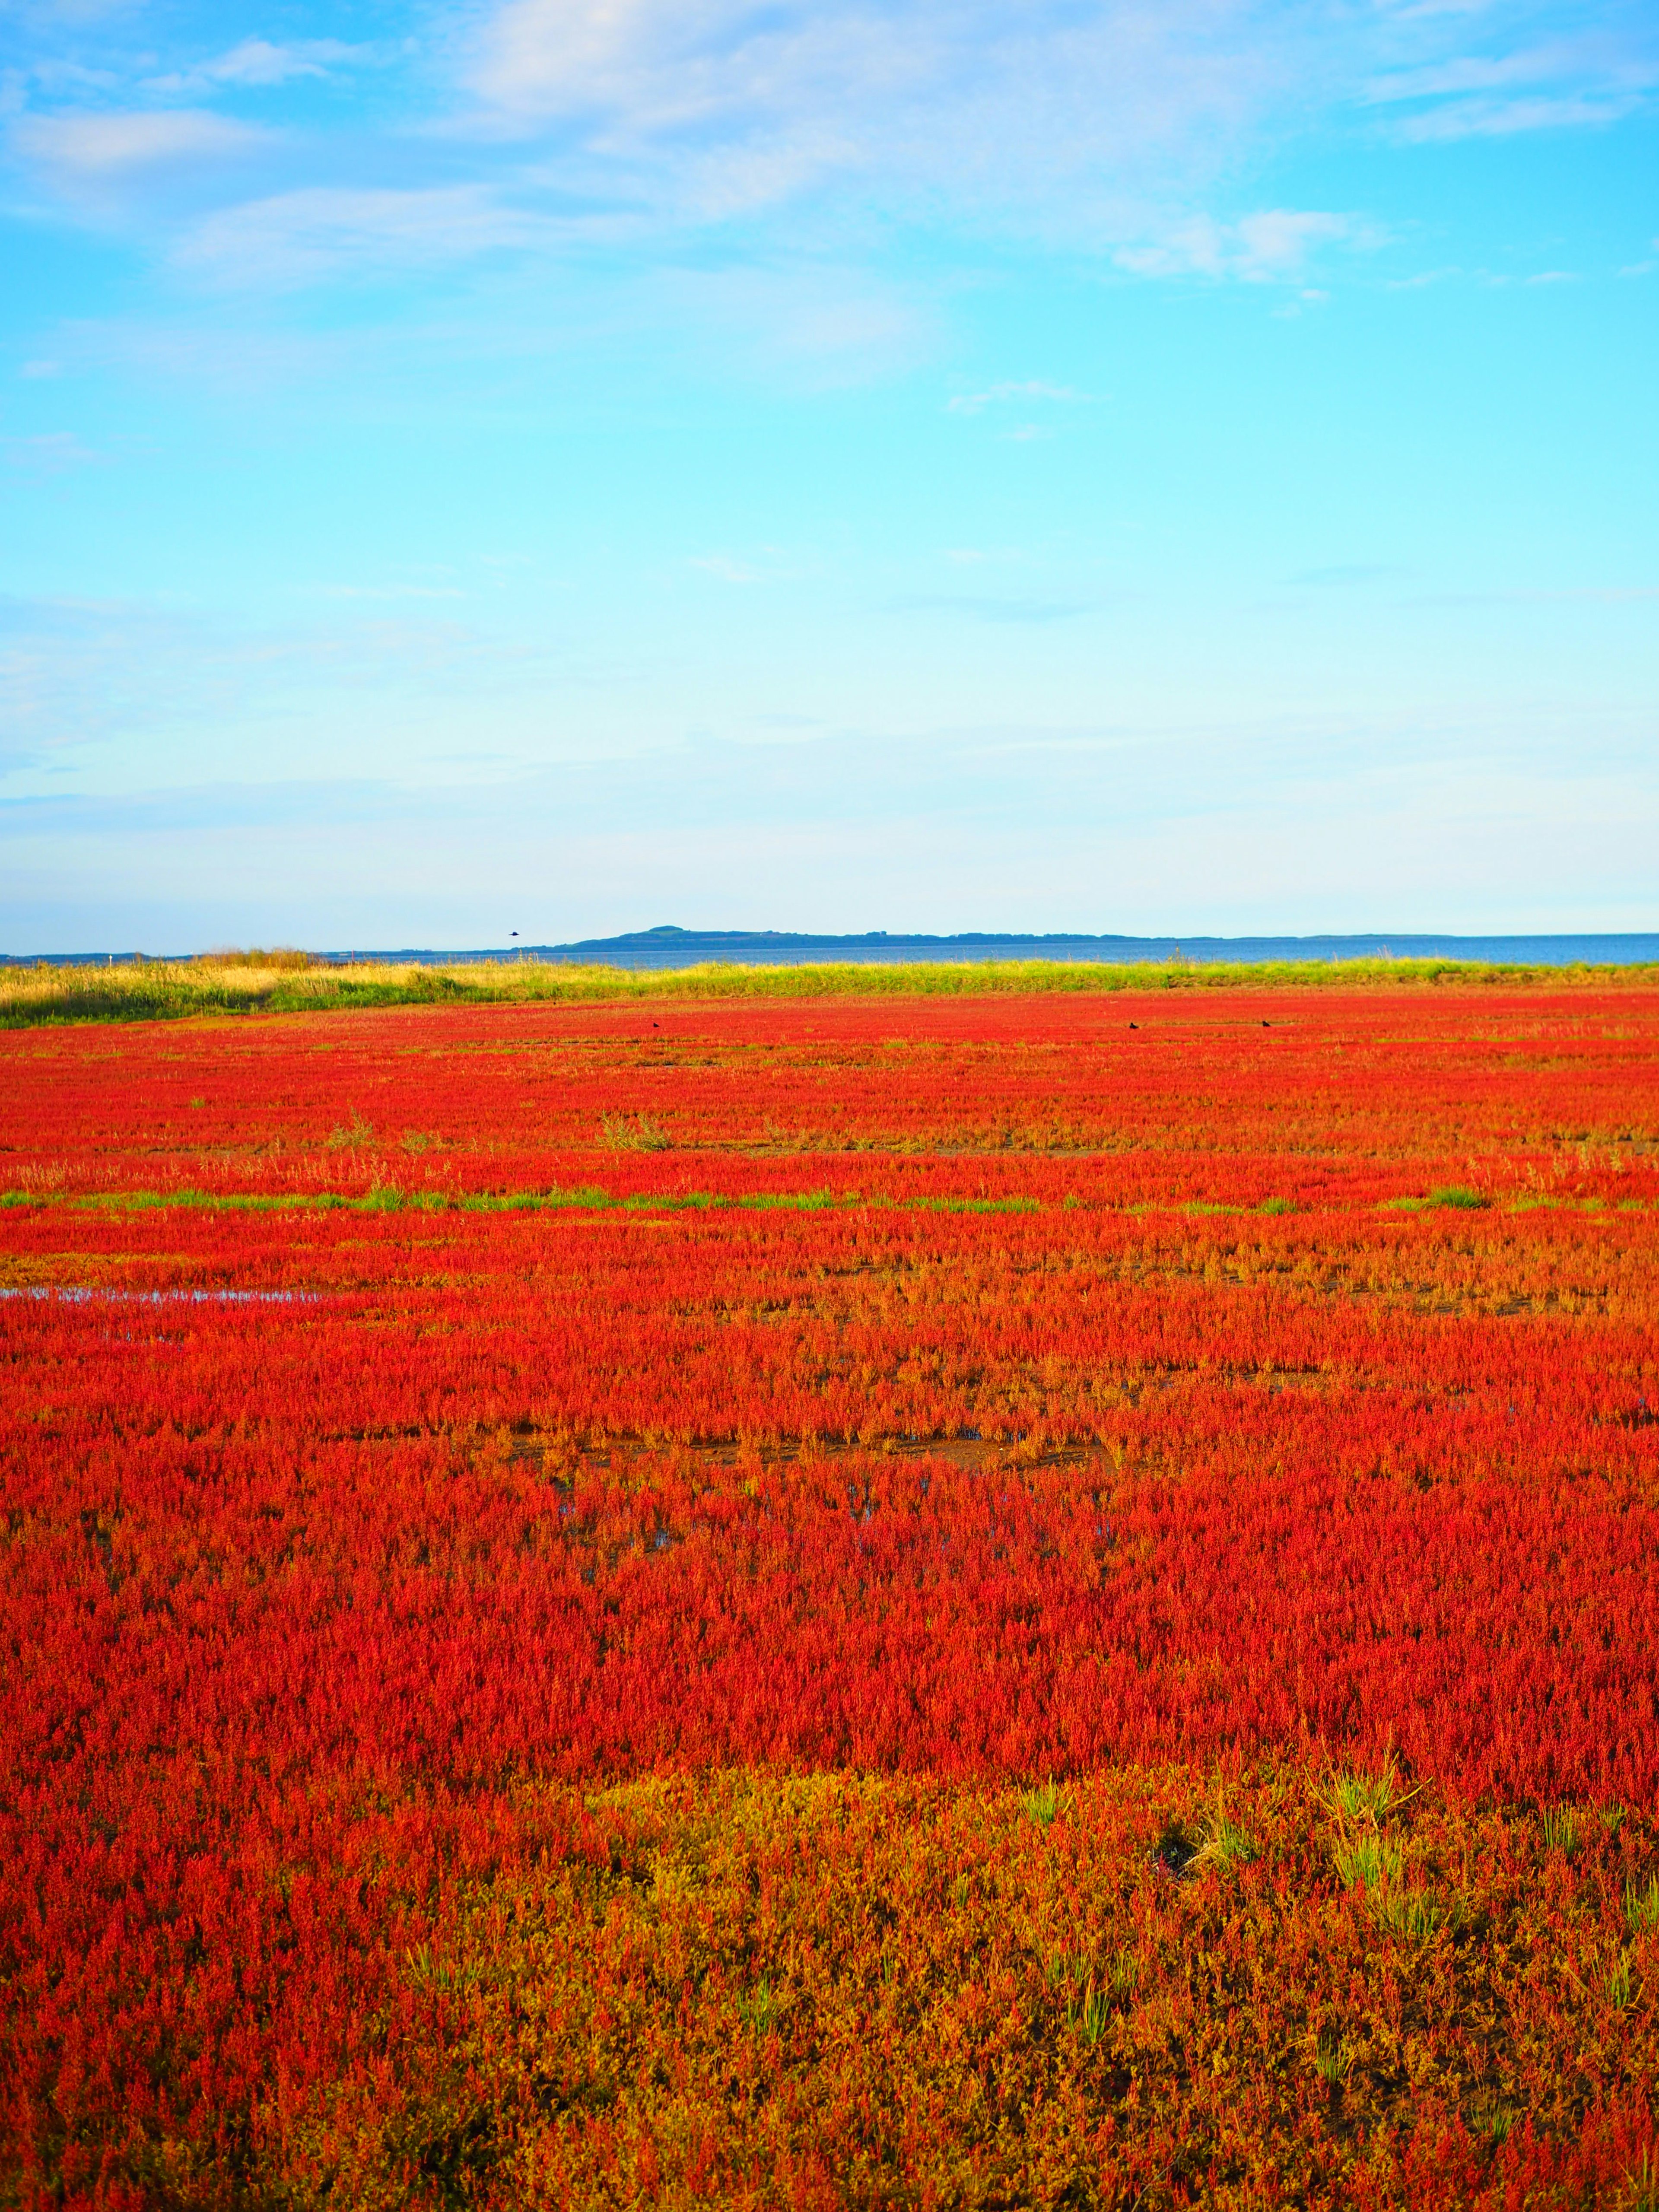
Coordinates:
413 1420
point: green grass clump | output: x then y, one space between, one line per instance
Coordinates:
1412 1913
1456 1195
1369 1864
1369 1798
1332 2062
758 2008
1041 1806
1227 1844
1559 1824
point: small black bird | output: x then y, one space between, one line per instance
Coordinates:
1134 1026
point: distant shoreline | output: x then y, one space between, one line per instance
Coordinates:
667 948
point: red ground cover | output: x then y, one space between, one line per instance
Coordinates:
421 1428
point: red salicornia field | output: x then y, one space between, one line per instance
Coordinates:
1031 1600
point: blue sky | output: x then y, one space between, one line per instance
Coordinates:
561 466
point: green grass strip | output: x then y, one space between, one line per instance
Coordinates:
587 1198
389 1199
210 1201
42 996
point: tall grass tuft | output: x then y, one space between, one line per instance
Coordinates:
634 1132
758 2008
1042 1806
1369 1798
1560 1826
1334 2062
1225 1844
1369 1863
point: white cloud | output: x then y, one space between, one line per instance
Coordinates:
93 148
56 75
792 317
1504 118
1604 595
728 571
298 237
1068 116
768 566
1110 126
1279 239
1423 279
1568 83
663 64
257 61
1469 73
1271 245
47 449
66 14
388 592
712 105
976 403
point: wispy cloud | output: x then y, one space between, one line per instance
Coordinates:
49 450
299 237
775 314
257 62
88 146
1022 395
1273 245
384 593
1504 118
1345 576
770 565
986 608
545 126
1567 83
1485 74
716 104
1605 595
